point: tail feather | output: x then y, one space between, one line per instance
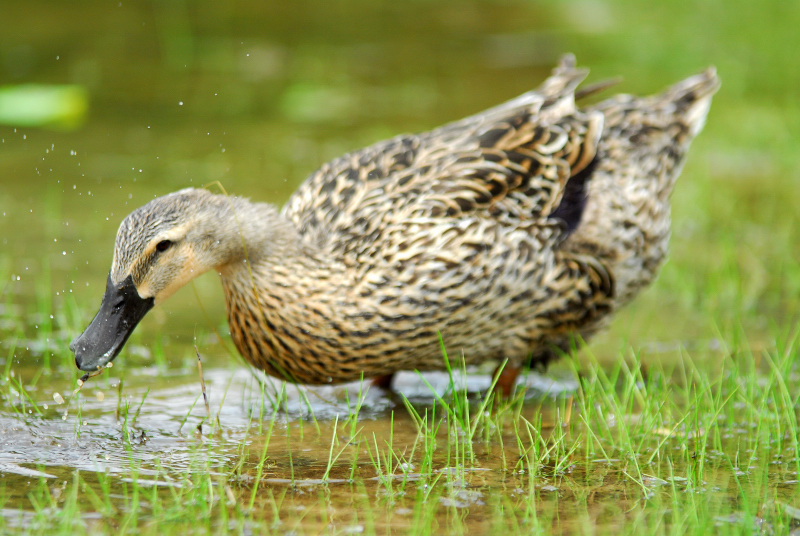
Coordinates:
597 87
692 98
564 80
560 86
693 88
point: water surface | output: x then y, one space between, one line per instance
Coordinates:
255 96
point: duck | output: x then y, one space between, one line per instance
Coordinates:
506 235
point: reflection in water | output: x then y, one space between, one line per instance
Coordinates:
158 432
168 416
257 95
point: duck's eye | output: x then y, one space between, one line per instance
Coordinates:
163 245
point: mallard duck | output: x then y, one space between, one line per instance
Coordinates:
508 233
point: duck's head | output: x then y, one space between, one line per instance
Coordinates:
159 248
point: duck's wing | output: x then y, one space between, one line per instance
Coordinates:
511 163
328 198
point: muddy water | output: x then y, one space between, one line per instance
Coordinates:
184 94
256 95
152 428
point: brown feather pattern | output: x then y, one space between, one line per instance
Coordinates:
455 231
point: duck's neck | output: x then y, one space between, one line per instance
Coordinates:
257 249
279 291
253 232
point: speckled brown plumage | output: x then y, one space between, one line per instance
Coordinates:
507 232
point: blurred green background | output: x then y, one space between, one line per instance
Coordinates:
257 94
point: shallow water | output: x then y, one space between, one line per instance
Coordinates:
155 429
172 436
169 412
256 95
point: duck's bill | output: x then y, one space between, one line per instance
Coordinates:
120 312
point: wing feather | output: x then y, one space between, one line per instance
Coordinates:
510 163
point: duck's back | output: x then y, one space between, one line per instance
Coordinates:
509 164
507 232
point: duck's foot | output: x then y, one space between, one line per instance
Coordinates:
384 382
506 379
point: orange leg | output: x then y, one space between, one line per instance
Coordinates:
506 380
384 382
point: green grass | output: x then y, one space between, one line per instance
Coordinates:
684 418
661 451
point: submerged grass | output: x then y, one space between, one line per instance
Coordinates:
633 449
684 420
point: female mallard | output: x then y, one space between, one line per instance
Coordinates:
509 232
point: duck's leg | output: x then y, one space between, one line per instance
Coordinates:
506 379
507 376
384 382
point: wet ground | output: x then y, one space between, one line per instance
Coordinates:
256 95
